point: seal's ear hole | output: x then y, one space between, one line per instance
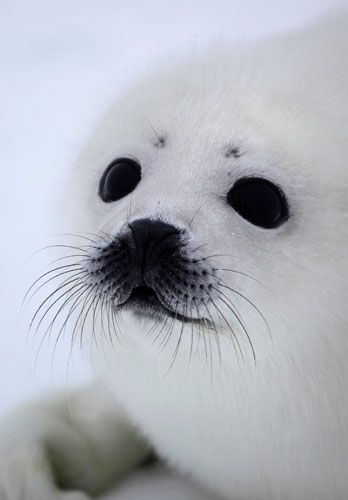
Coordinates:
259 201
119 179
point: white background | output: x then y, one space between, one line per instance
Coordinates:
59 61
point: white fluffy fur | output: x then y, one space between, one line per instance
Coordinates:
276 429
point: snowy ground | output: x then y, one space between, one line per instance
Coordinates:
60 61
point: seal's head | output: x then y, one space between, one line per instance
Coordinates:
217 186
216 194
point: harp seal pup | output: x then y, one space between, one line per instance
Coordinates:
214 291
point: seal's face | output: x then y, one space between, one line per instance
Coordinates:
211 206
156 264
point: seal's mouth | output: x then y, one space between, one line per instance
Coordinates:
143 296
144 302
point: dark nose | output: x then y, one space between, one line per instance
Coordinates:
148 234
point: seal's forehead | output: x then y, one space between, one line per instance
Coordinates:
212 99
185 111
221 99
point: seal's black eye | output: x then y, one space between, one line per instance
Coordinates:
119 179
259 201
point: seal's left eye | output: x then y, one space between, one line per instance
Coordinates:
119 179
259 201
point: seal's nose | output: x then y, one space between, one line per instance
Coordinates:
148 234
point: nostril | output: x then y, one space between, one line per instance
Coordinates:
148 234
155 230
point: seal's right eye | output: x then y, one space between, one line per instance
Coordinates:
119 179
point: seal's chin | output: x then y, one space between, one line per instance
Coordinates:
144 303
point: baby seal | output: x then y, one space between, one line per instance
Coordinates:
210 285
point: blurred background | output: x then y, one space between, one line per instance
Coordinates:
61 61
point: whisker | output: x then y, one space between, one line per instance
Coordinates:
42 277
43 339
71 247
232 307
76 283
82 236
69 271
106 308
81 258
85 313
235 271
161 329
249 302
67 283
79 317
217 339
243 274
195 215
242 325
202 332
80 293
73 307
165 340
61 307
230 329
178 343
192 333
